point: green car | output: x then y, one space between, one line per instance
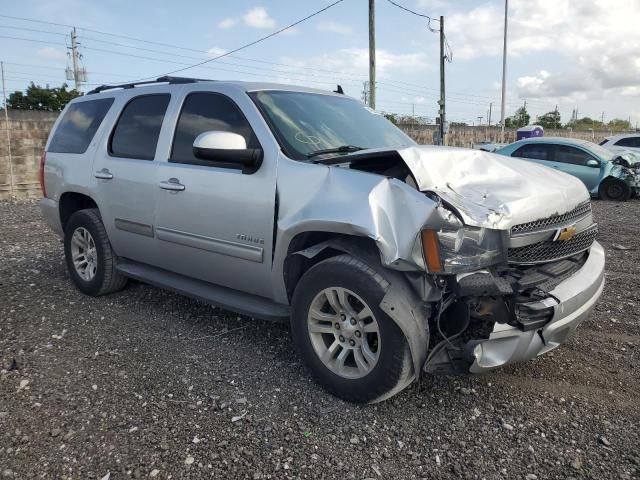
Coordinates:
608 175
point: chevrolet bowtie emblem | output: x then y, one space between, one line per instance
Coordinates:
565 234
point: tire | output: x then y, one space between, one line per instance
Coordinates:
615 189
351 279
95 272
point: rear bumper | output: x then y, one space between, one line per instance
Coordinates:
576 297
51 215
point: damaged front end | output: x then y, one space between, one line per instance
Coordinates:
551 276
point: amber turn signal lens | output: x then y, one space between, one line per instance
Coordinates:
431 250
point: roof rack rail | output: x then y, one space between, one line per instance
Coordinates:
165 79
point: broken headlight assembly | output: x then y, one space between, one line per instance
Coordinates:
465 249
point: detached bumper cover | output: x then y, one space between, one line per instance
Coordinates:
576 298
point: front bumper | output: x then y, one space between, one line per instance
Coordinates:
576 297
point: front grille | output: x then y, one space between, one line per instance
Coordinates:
554 221
553 250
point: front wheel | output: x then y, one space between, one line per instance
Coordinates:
353 348
615 189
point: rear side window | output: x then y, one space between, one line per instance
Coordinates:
629 142
534 151
203 112
79 125
138 128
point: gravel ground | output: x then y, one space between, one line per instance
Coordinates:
146 383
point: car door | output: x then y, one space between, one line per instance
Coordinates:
573 161
125 175
214 222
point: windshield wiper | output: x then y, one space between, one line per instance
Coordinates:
340 149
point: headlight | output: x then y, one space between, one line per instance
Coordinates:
462 250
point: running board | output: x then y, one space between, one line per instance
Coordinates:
227 298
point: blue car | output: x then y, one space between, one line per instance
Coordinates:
608 175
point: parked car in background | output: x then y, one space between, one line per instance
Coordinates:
622 142
388 259
606 174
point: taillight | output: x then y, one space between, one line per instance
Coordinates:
43 159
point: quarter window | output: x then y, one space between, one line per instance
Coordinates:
571 155
203 112
534 152
79 125
138 128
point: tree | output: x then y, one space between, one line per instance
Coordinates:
618 124
550 120
586 123
520 118
38 98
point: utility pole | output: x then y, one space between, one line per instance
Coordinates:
442 93
74 57
490 108
480 117
602 119
365 93
372 54
6 124
504 69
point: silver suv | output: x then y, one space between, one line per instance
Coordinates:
388 258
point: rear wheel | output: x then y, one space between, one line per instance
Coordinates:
90 259
353 348
615 189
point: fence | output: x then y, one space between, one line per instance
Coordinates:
20 151
468 136
28 130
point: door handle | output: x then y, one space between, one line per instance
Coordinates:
172 184
103 174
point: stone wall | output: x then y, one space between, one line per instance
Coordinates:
20 152
28 132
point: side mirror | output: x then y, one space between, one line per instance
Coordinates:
227 149
593 163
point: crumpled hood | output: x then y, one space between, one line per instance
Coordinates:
492 190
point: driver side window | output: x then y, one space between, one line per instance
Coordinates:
203 112
573 156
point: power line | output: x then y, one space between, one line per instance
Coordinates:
428 17
261 39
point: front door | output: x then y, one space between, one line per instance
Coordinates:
125 174
214 222
574 160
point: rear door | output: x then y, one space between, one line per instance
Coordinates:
125 174
573 161
541 153
219 226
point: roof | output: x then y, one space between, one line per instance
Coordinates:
246 86
558 140
623 135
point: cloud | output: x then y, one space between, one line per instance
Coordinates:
52 53
598 41
215 52
258 17
227 23
335 27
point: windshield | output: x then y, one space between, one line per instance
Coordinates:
602 152
307 122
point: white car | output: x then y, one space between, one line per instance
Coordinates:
622 142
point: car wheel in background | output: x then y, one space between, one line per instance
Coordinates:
90 259
353 348
615 189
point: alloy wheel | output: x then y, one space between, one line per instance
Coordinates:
344 332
